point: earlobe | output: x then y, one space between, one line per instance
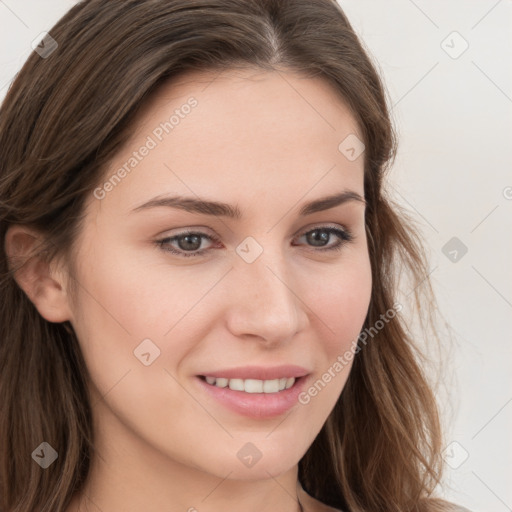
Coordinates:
43 284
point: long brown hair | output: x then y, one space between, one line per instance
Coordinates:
66 115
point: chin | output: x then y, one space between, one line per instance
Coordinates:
247 464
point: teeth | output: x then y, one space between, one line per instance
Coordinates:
221 383
253 385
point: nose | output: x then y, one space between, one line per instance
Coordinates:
265 301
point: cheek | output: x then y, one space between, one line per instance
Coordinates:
341 304
126 300
116 311
341 300
129 293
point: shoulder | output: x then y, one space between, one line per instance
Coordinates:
310 504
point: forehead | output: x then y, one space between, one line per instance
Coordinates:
272 97
238 132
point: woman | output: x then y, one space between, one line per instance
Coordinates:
200 267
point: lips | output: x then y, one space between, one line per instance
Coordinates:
255 404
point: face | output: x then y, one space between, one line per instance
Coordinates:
258 291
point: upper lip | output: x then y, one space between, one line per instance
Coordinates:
259 372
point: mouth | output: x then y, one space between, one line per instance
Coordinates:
253 398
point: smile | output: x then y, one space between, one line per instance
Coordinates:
255 398
252 385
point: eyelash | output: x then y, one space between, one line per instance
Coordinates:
344 236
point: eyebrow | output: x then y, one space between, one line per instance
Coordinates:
203 206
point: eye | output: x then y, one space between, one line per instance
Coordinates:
319 235
189 242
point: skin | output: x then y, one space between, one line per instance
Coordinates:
266 142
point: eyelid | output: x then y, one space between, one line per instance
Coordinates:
204 230
343 234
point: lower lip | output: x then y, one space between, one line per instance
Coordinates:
256 405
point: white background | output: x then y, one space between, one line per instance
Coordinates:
454 119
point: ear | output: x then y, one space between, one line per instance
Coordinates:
43 283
